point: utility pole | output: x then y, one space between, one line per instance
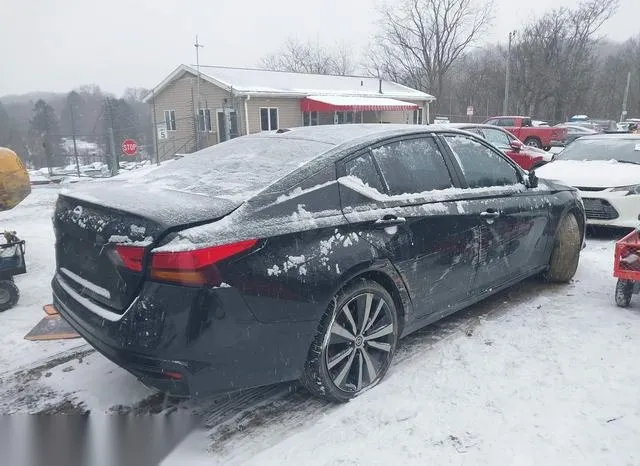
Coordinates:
505 104
115 163
198 46
155 127
73 135
623 115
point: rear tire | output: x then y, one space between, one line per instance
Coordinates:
533 142
624 291
355 343
9 294
566 251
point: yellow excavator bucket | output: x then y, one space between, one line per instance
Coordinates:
14 180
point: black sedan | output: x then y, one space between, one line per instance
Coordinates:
302 254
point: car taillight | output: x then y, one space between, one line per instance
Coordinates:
131 256
195 267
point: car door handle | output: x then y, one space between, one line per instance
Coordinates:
389 222
490 214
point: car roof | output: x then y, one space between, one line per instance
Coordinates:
343 134
507 116
470 125
628 136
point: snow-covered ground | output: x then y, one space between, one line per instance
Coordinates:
537 374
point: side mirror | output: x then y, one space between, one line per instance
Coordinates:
533 179
516 146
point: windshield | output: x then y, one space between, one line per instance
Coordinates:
622 150
236 168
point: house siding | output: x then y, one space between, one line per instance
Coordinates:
180 96
289 113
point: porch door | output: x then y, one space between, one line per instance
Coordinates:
227 124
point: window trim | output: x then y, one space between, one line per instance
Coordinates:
268 109
463 180
175 125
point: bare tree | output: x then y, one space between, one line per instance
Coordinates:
422 39
555 59
309 57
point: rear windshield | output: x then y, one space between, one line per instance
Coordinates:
235 169
622 150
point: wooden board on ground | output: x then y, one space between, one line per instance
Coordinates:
50 310
52 327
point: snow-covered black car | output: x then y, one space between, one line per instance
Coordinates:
301 254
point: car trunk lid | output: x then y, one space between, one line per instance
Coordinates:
91 222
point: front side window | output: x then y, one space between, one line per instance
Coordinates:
363 168
170 119
496 137
481 166
204 119
412 166
268 118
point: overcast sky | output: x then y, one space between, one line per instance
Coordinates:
55 45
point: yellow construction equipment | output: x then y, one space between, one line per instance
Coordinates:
14 180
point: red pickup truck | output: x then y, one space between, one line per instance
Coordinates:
542 137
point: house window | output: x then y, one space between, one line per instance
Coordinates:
417 116
170 119
311 118
204 120
342 118
269 118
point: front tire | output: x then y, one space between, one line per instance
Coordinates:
9 294
566 251
355 343
624 291
533 142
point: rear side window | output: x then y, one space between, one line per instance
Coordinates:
362 167
506 122
481 166
412 166
236 169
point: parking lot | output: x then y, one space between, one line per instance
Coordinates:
536 373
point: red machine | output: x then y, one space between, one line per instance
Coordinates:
626 267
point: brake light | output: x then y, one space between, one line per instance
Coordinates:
196 267
131 256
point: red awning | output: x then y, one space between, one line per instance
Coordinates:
353 104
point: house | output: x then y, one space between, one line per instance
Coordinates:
238 101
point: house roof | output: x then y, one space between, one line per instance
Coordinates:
252 82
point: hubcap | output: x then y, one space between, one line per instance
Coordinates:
4 296
359 343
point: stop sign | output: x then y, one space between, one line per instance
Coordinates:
129 147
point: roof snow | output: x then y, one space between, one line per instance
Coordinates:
253 82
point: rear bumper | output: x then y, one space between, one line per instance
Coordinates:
207 336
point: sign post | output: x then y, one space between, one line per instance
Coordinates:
129 147
470 111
